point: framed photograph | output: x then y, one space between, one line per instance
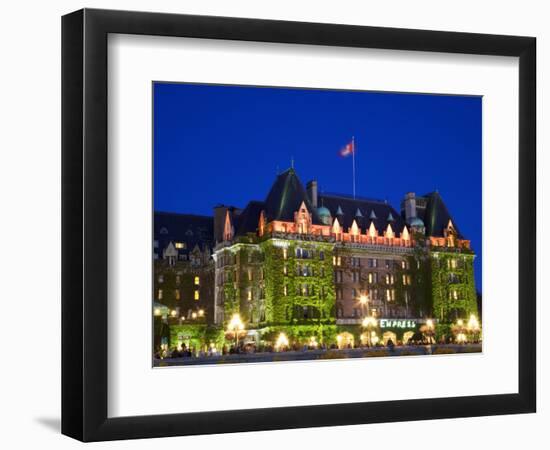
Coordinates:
273 224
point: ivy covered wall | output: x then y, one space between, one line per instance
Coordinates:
298 289
453 285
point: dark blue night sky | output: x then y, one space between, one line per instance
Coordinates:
224 144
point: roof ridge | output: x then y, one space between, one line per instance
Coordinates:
350 197
183 214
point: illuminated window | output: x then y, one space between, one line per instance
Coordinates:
249 274
197 295
180 245
177 294
197 281
161 278
285 253
285 269
338 260
160 294
388 295
285 290
249 294
370 277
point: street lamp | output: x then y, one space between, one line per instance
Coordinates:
364 300
473 326
461 336
282 342
369 323
430 331
235 325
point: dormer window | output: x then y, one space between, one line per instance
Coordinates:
302 218
372 230
389 232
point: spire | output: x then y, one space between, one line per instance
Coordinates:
358 213
373 215
339 211
390 217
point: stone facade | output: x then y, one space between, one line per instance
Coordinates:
304 262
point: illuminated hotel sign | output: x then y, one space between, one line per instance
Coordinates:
397 323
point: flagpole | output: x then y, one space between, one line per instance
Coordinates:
353 158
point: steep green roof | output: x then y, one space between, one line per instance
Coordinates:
286 196
436 217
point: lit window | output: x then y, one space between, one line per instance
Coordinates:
285 253
388 295
249 274
285 269
180 245
249 295
177 294
161 278
197 281
160 294
370 278
197 295
285 290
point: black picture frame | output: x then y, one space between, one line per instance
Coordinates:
84 224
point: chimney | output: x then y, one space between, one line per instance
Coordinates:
409 205
219 222
311 188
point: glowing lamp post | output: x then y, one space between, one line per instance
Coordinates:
430 331
364 300
460 336
282 342
473 327
235 326
370 323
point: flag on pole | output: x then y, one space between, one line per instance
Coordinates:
349 149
